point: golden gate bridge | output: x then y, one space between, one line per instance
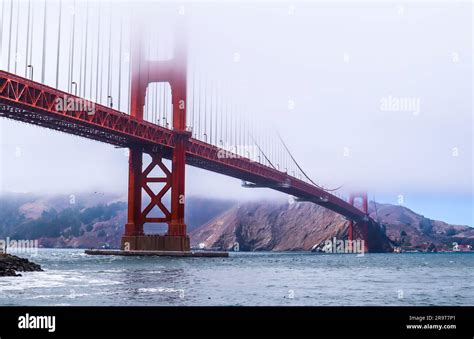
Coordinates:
130 89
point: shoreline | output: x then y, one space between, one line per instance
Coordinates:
10 265
14 253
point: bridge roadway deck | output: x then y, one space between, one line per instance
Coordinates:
28 101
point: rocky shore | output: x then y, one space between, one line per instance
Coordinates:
10 264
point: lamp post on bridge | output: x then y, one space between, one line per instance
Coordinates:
31 68
73 83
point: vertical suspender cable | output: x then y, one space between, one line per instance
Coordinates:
245 130
91 68
97 56
241 130
10 34
1 33
222 121
162 103
231 119
237 129
153 104
30 61
234 123
156 89
243 126
216 141
59 44
27 53
101 81
198 132
147 93
147 97
120 65
43 62
129 63
17 34
81 63
210 113
156 103
109 75
216 114
148 106
225 119
162 90
165 103
227 114
85 49
159 87
165 91
194 96
205 107
270 147
71 49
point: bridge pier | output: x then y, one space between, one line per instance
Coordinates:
359 229
155 242
134 237
145 72
134 227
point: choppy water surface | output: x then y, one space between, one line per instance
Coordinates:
73 278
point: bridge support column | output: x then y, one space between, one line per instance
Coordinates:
359 230
139 179
145 72
176 226
134 226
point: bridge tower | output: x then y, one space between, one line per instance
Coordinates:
145 72
360 229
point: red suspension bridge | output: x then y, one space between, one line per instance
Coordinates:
181 124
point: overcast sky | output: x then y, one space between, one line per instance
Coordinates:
366 95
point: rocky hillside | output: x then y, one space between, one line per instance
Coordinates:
413 231
302 226
277 227
88 220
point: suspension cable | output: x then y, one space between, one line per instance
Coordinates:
263 153
299 167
